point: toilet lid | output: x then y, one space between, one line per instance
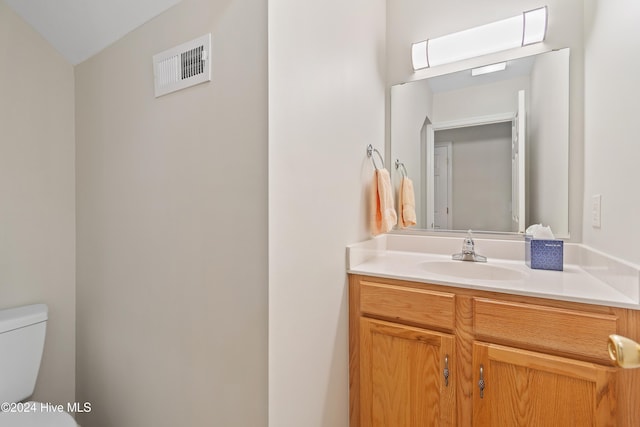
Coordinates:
37 415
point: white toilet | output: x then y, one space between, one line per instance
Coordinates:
22 332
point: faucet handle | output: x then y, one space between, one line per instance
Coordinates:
468 243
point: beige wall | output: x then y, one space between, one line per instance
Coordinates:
37 206
548 177
612 151
172 227
326 103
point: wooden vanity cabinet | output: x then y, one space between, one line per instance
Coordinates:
430 355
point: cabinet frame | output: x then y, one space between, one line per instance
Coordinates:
626 383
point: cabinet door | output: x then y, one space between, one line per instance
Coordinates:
402 376
523 388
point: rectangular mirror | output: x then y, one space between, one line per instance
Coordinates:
487 151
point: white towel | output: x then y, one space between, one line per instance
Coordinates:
382 214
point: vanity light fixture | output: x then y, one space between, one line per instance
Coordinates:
528 28
500 66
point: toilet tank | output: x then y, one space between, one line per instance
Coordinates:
22 331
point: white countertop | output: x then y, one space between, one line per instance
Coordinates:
588 276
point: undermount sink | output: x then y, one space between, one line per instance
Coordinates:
472 270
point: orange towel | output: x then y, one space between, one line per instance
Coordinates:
406 204
382 214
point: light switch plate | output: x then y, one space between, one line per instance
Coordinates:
596 210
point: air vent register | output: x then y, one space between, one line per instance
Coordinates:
185 65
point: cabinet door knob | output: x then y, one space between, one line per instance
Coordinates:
624 351
445 372
481 383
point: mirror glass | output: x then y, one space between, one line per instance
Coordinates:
487 151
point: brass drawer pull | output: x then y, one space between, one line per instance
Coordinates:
624 351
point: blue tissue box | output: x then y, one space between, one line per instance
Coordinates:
544 254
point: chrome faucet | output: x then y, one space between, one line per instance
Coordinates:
468 251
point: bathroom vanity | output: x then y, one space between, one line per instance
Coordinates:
491 345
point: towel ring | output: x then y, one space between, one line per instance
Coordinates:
404 169
370 151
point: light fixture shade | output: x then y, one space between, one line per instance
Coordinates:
528 28
419 55
535 26
500 66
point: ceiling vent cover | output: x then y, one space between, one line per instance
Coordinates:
186 65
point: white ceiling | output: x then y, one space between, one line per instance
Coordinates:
79 29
